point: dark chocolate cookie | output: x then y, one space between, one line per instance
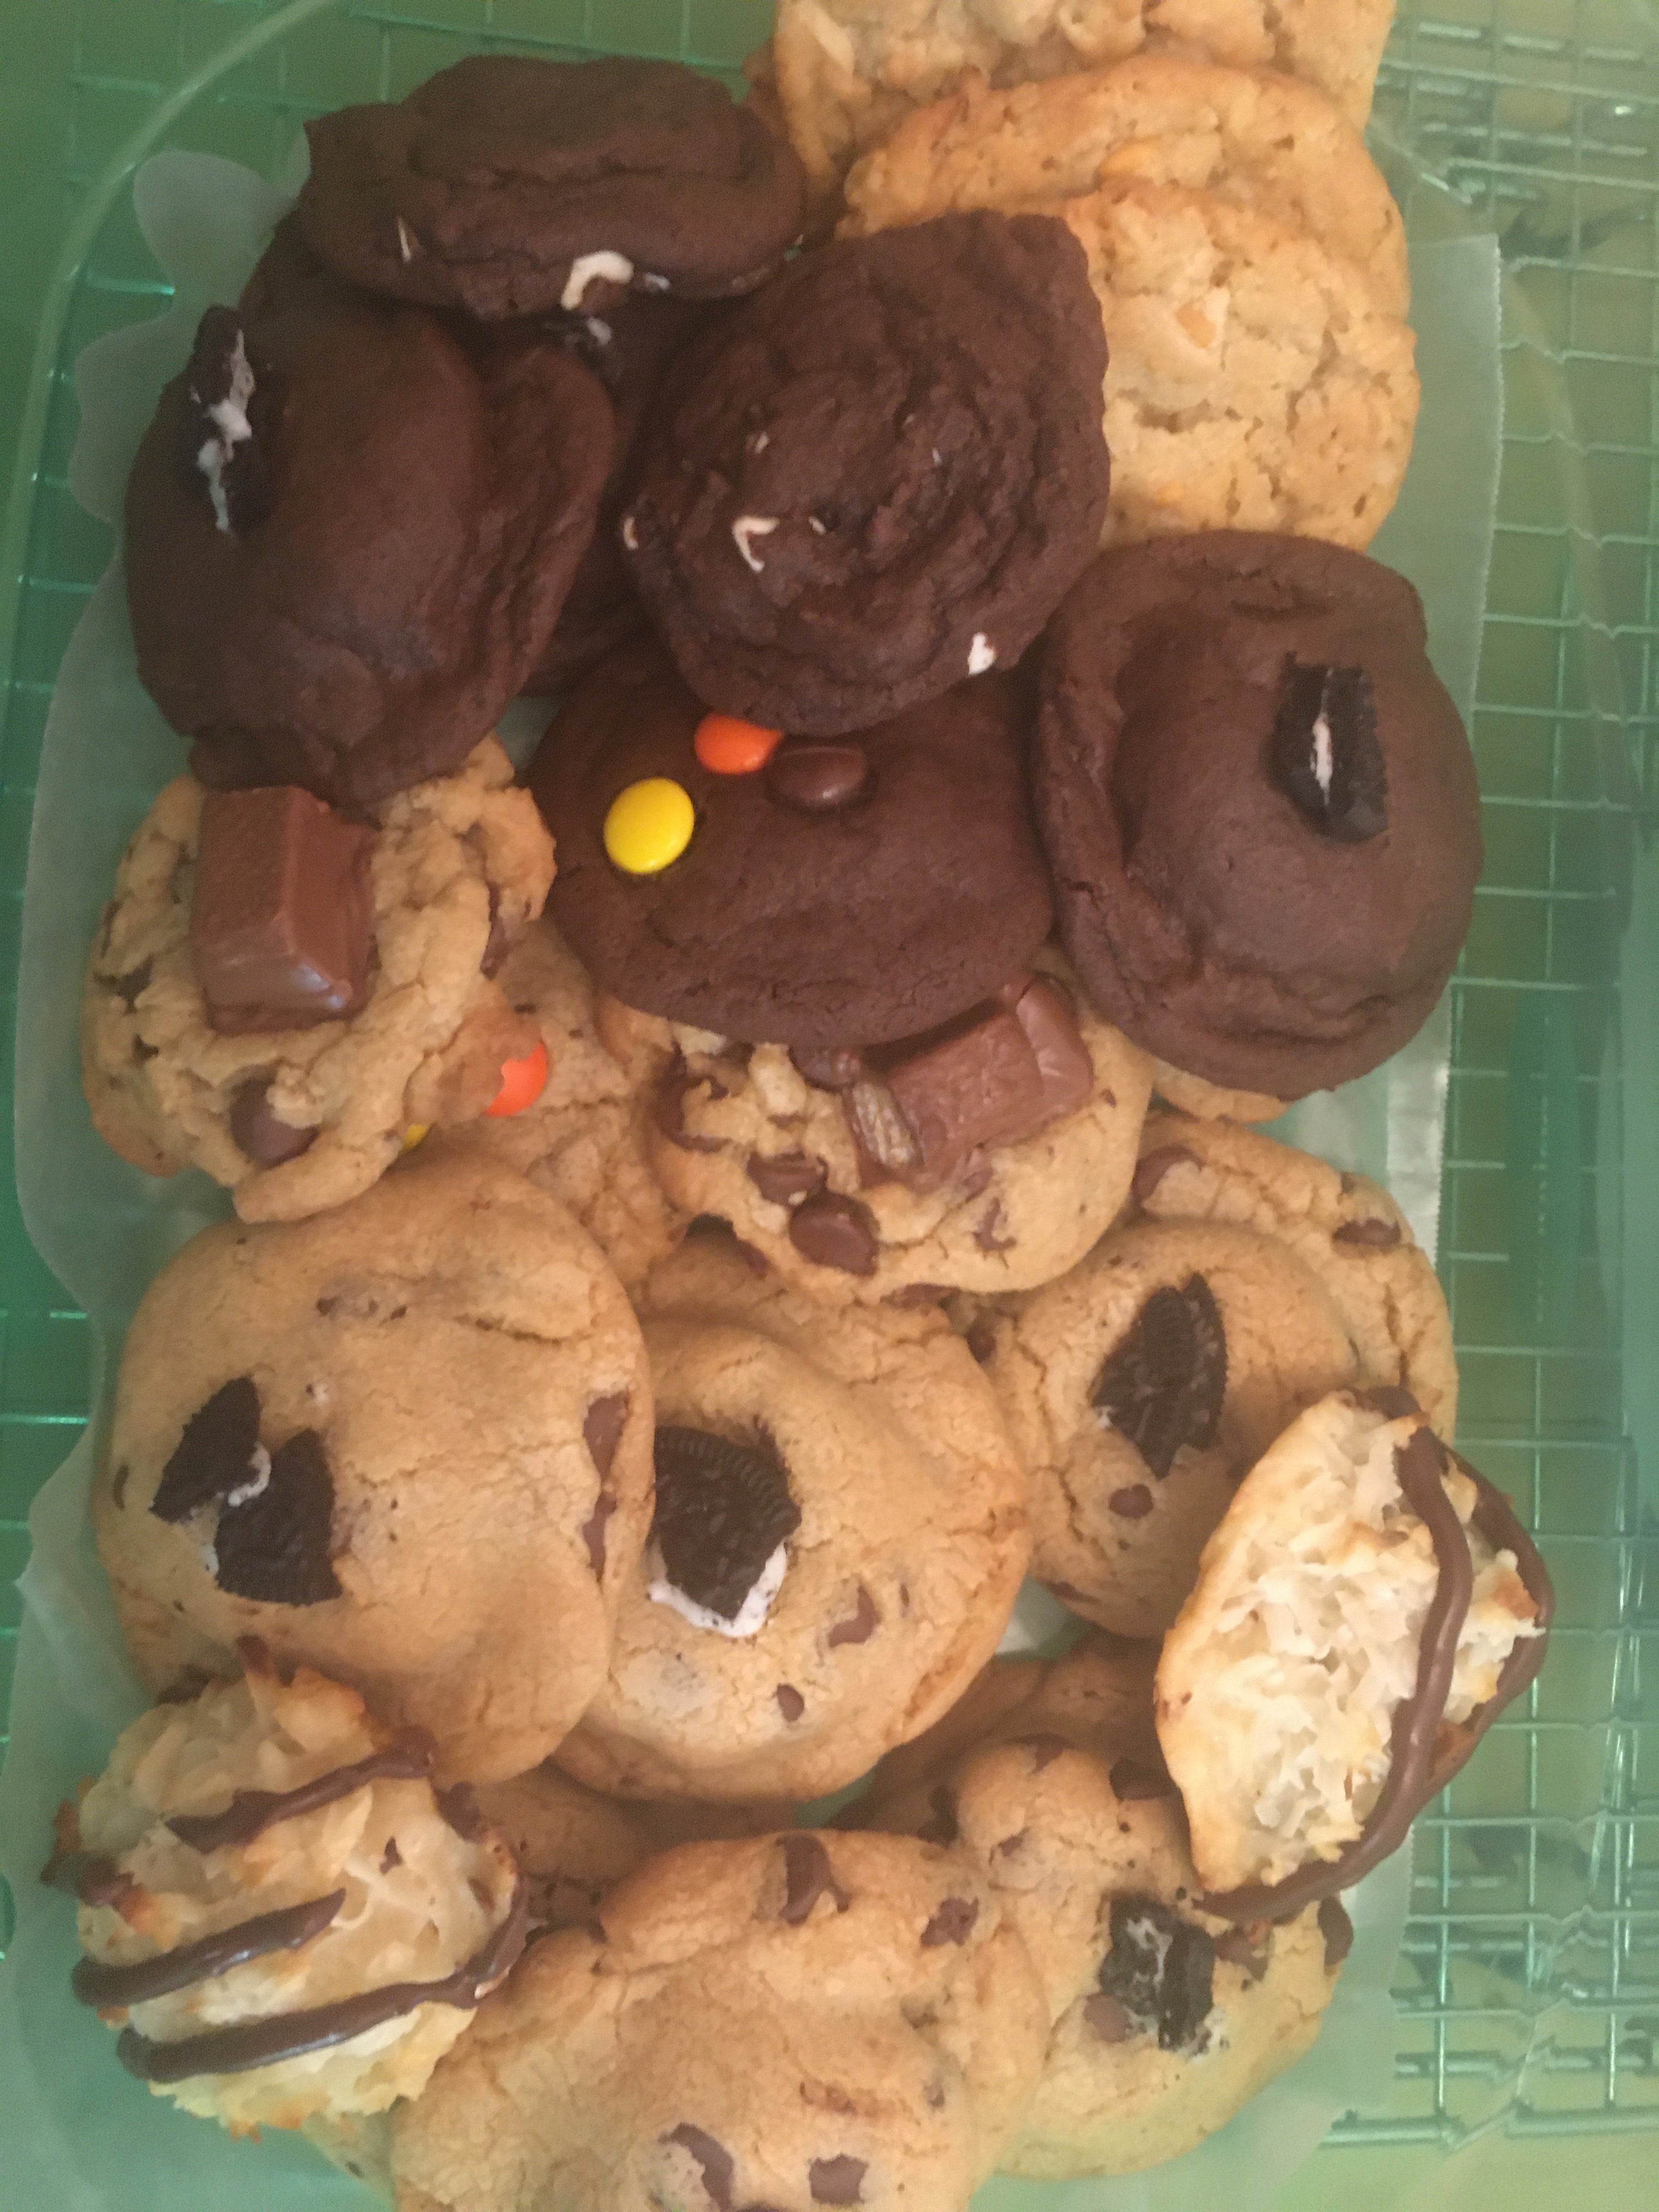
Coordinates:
508 185
915 892
1258 805
347 538
885 473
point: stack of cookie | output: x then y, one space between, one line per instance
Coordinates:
662 1332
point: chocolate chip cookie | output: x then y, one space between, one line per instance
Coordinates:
584 1137
986 1155
881 476
1163 2019
797 2021
508 185
1260 806
348 537
828 897
848 75
840 1534
278 994
408 1442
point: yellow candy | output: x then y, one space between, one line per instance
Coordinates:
649 826
417 1133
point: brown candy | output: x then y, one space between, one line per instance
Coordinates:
817 779
281 923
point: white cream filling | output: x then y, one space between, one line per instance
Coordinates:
1322 752
258 1479
229 416
750 1616
745 529
982 654
603 267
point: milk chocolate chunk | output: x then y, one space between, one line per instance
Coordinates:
276 1545
1160 1969
722 1509
215 1454
817 779
979 1086
1324 752
1065 1071
833 1231
1162 1387
267 1139
281 919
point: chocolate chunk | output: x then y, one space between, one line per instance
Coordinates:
714 2159
1106 2017
131 988
817 779
215 1454
1373 1235
952 1923
221 449
807 1876
1324 753
1160 1969
836 2180
791 1703
1134 1504
281 921
275 1547
602 1428
833 1231
988 1230
1337 1929
859 1626
941 1826
829 1067
593 1532
1133 1781
670 1110
722 1510
263 1136
1240 1949
781 1177
1065 1071
1162 1387
918 1298
1151 1168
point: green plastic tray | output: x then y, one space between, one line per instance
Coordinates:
1528 1989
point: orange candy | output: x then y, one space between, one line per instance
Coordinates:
726 746
522 1083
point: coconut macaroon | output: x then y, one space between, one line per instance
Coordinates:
1366 1608
283 1919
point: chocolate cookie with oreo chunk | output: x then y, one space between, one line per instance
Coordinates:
833 895
1258 805
348 537
883 474
507 185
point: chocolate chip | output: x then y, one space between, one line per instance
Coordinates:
593 1531
391 1857
1134 1780
265 1139
782 1177
860 1625
751 1256
1106 2017
817 779
214 1456
1044 1749
1337 1929
275 1547
722 1510
836 2180
1324 753
952 1923
941 1826
934 2094
833 1231
791 1703
828 1067
669 1111
1160 1969
1239 1949
712 2158
117 1489
916 1297
807 1876
1374 1236
988 1230
1134 1504
1163 1385
981 1339
602 1428
1010 1845
1151 1168
129 987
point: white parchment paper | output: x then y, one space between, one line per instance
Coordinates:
77 2133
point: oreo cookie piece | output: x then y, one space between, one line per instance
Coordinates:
881 475
1160 1970
509 185
1163 1385
1258 806
723 1514
916 891
348 538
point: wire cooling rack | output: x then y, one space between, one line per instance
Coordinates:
1529 1984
